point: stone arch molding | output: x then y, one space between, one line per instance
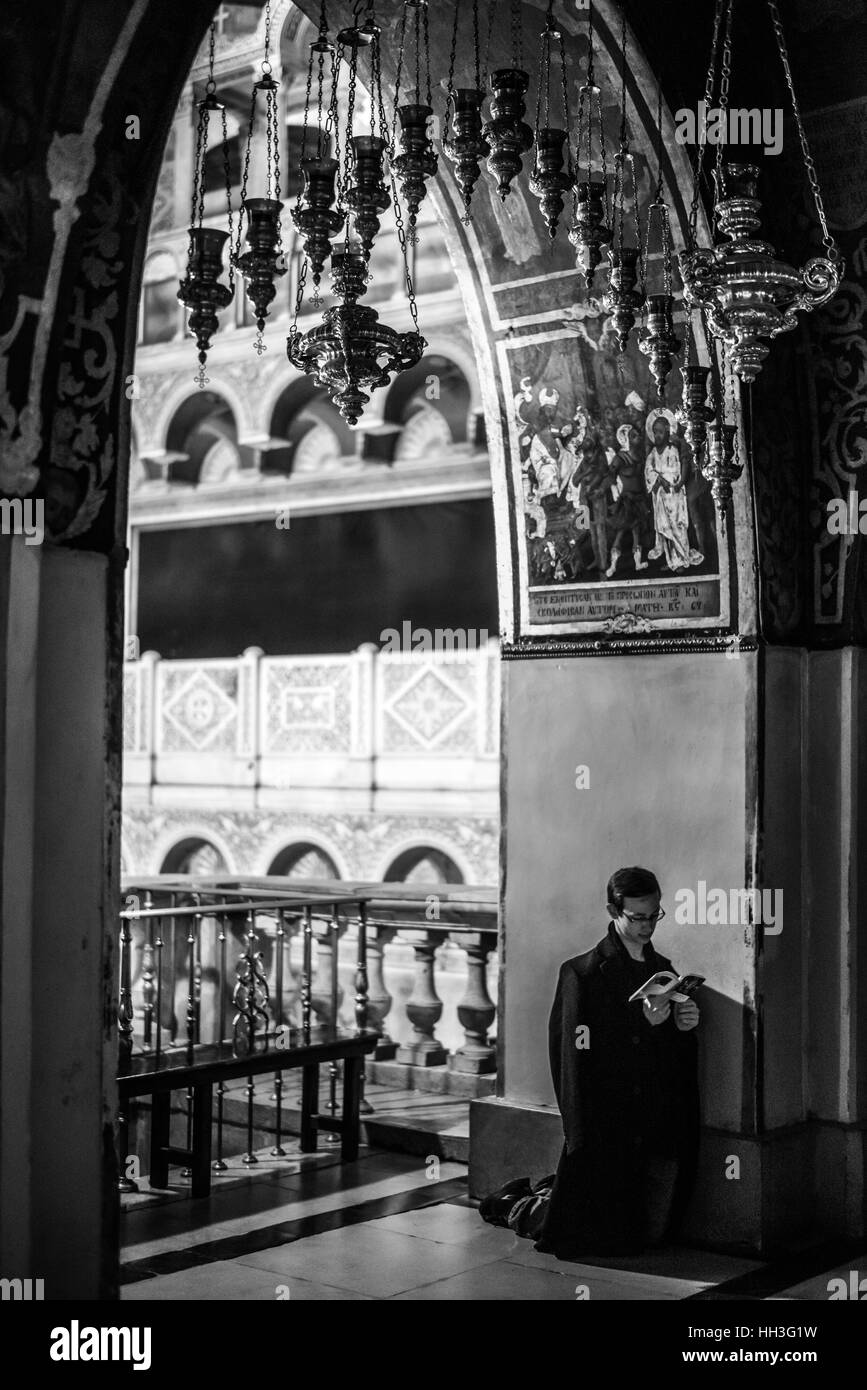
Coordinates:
298 835
220 386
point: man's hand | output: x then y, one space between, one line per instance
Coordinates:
686 1015
656 1013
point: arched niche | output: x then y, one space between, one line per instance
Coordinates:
422 864
435 383
305 860
316 435
204 432
194 855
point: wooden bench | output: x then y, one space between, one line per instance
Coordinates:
176 1072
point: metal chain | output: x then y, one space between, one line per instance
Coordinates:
827 240
400 53
544 83
418 52
603 155
198 209
487 68
570 168
624 141
275 122
401 237
476 46
332 126
517 35
227 171
450 90
725 76
698 167
246 171
426 20
300 288
348 151
307 93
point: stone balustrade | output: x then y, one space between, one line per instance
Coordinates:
420 720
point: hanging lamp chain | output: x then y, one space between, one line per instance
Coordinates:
450 89
725 78
827 240
517 35
701 143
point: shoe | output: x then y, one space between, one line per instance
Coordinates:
495 1208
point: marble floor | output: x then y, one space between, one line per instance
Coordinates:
395 1227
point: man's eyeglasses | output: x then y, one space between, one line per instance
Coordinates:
638 917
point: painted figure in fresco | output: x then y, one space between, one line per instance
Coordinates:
591 488
632 515
545 447
664 477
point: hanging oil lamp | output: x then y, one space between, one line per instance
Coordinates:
659 342
263 262
507 133
315 215
624 296
201 289
366 195
694 413
590 230
464 141
552 171
417 162
351 353
747 294
721 468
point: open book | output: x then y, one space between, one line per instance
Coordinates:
665 986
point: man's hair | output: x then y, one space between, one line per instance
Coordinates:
631 883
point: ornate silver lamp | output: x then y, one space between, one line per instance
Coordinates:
747 293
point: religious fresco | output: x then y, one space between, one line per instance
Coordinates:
615 527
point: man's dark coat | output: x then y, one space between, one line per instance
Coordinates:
632 1090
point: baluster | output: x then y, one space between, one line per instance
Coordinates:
173 1017
218 1165
159 1000
193 929
250 995
193 924
125 1010
331 1137
323 979
250 1159
307 969
278 1151
362 999
476 1010
125 1033
424 1008
379 1001
147 976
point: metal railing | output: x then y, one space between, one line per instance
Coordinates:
181 999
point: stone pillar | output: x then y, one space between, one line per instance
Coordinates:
60 894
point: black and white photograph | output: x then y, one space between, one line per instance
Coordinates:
433 611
